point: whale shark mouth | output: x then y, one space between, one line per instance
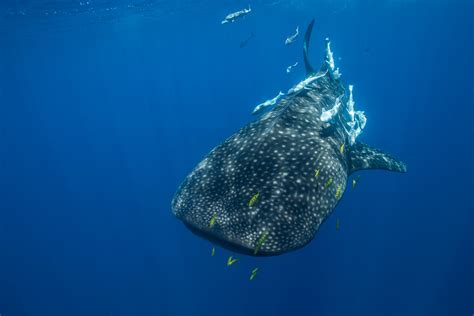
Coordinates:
224 243
233 246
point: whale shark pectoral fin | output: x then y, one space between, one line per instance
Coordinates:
362 157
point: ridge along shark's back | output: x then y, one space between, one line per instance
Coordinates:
267 189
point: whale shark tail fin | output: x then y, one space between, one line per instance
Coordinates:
364 157
307 37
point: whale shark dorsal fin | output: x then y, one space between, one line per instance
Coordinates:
307 37
363 157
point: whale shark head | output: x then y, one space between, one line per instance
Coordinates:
267 188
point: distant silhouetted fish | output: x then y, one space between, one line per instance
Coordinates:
246 41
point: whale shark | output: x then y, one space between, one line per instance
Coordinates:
267 189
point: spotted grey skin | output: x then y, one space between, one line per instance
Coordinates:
267 189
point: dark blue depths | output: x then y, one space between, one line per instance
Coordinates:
102 115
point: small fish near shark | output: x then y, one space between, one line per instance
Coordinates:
290 67
262 106
267 189
232 17
290 39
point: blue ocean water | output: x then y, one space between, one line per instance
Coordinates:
105 107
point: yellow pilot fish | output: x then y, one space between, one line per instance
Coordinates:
254 274
212 222
260 242
328 183
231 261
254 199
338 192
